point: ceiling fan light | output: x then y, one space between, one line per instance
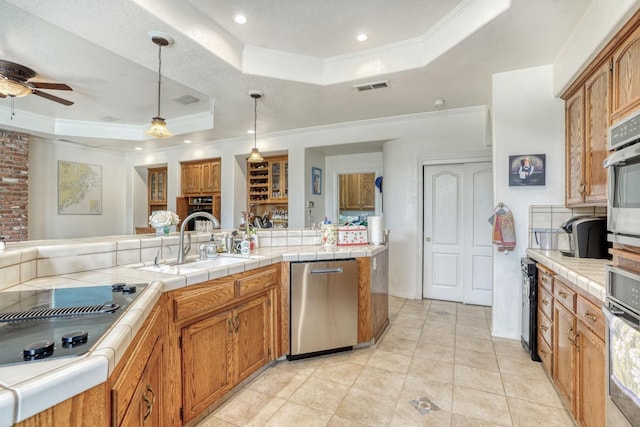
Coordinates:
9 87
158 128
255 156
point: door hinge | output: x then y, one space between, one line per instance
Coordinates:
611 65
179 342
181 414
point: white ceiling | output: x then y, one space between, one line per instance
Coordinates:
301 53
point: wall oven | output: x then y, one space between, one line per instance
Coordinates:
622 311
624 175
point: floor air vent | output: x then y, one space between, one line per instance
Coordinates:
373 85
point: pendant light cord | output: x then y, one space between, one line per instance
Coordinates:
159 74
255 120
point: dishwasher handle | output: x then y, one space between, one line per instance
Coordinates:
327 270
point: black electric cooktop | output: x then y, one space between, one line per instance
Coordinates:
44 324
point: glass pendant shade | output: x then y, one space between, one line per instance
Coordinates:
11 88
255 156
158 128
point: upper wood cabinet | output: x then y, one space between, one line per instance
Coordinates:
157 189
268 187
587 122
200 178
357 192
626 75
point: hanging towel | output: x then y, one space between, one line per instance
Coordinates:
504 233
624 356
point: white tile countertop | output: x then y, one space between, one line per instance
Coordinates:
586 273
27 389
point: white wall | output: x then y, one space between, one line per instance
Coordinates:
527 119
315 214
447 134
44 221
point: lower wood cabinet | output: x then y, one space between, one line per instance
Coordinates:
226 329
564 354
137 388
591 378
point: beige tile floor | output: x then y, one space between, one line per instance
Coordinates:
437 365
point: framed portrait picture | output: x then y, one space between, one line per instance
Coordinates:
527 170
316 180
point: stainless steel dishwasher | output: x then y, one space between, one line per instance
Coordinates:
324 307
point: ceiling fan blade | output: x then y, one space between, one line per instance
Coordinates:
2 95
52 97
55 86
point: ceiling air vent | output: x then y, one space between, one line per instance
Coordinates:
187 99
372 85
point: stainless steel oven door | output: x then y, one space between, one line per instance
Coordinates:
622 407
624 195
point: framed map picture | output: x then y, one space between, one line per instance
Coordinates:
79 189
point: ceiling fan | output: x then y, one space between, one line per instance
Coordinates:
14 82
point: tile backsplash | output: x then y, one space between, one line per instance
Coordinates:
550 217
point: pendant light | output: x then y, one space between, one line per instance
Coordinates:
158 127
255 156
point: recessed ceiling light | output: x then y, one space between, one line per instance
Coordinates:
187 141
138 148
251 131
240 19
362 37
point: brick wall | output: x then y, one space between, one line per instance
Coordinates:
14 186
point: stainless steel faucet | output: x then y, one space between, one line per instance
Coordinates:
182 249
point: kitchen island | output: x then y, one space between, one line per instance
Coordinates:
258 284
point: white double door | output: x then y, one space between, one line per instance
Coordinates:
458 252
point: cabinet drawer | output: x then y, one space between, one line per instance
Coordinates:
545 280
564 295
545 303
259 281
591 316
206 298
546 355
545 328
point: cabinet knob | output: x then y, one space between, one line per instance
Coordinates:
150 401
427 239
544 327
590 316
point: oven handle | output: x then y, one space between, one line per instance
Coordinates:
617 312
622 155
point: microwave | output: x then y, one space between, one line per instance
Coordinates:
623 198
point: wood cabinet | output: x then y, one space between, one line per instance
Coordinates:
226 328
587 122
137 388
357 192
571 329
268 186
157 189
200 178
626 74
591 387
564 354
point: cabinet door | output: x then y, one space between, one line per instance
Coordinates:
367 190
591 387
191 179
253 331
574 128
626 75
344 191
597 100
209 177
564 354
145 408
206 348
215 177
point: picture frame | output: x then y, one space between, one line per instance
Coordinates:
316 181
527 170
79 188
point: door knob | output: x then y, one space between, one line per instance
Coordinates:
427 239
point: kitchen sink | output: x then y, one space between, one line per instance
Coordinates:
194 265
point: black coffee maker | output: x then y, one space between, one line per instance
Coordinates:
587 237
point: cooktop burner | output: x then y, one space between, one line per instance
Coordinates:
44 324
